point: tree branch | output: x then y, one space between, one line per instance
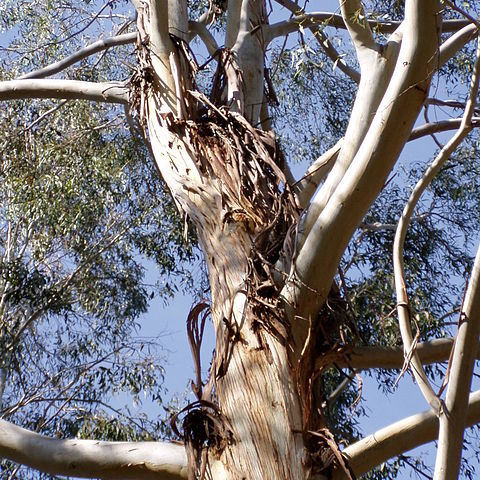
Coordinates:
441 126
233 22
359 30
381 227
155 21
64 89
307 185
373 85
200 29
92 458
329 19
364 358
451 46
318 257
322 39
334 56
248 51
463 33
403 307
89 50
399 437
452 418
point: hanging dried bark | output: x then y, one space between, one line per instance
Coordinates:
204 430
238 190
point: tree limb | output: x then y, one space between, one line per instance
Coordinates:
377 73
233 22
359 30
381 227
441 126
403 307
200 29
334 56
330 19
319 256
323 41
92 458
452 418
156 23
64 89
399 437
364 358
89 50
451 46
307 185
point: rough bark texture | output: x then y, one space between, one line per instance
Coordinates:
226 177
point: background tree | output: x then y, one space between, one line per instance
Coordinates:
79 216
303 290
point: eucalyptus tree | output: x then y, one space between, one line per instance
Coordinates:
303 292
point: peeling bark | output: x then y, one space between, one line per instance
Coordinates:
270 273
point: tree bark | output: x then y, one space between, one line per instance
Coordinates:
255 385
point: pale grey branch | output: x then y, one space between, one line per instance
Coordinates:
403 308
92 49
363 358
398 438
307 185
92 458
441 126
359 30
451 46
207 38
64 89
329 19
453 416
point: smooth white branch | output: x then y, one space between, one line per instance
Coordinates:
363 358
92 458
398 438
360 32
64 89
453 416
441 126
92 49
388 130
307 185
453 44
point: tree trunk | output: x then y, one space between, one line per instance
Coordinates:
224 175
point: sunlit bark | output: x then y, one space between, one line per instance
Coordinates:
226 177
91 458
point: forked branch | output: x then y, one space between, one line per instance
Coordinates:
320 254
